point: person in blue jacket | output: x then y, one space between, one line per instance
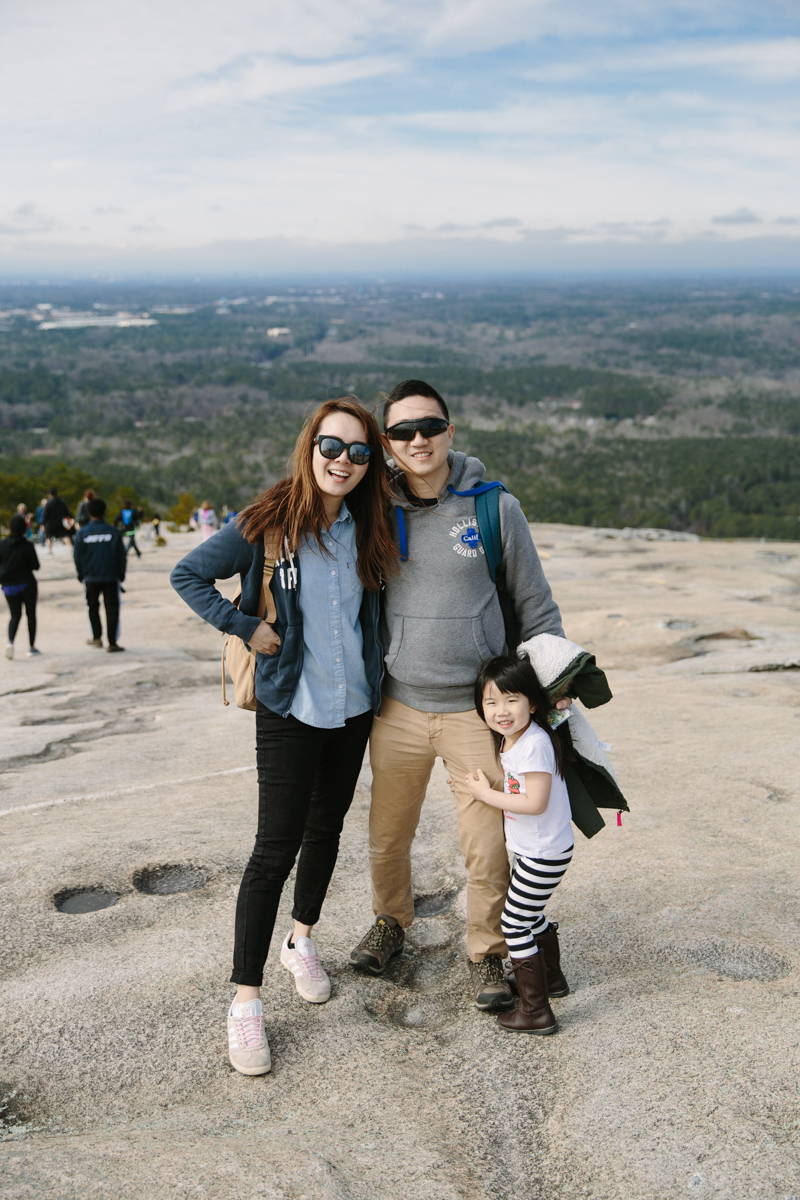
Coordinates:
99 555
317 683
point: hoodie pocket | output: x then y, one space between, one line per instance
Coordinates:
446 652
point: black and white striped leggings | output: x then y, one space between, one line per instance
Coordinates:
533 882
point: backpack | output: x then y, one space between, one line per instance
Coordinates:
487 513
240 661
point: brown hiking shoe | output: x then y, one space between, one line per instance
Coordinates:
381 942
489 984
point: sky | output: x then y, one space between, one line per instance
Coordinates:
399 136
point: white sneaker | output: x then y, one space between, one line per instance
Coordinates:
33 653
10 650
248 1048
309 978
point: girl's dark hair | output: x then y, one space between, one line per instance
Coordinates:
17 526
412 387
517 675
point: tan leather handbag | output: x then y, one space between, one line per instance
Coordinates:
240 661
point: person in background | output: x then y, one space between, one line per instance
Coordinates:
22 511
129 519
207 520
100 561
230 515
18 561
40 520
155 525
82 515
56 518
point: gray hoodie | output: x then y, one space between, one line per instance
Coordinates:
441 616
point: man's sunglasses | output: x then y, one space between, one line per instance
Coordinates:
332 447
404 431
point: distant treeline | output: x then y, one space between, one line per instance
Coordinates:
29 482
717 487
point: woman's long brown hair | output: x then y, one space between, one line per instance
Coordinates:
293 507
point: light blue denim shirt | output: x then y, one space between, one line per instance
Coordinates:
333 682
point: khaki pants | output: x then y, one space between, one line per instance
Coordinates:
404 745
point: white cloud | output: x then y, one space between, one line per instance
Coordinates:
740 216
260 76
26 219
352 120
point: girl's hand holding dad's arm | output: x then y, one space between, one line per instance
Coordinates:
533 801
265 640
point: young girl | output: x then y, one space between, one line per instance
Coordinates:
318 674
538 829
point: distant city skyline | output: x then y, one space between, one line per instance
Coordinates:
450 137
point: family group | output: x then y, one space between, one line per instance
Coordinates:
376 611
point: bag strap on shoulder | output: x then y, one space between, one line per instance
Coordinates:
487 513
402 536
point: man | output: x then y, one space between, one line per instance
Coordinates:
441 619
55 516
100 563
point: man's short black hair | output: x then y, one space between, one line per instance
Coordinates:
97 508
18 526
53 492
412 387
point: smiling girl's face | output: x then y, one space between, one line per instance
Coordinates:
506 713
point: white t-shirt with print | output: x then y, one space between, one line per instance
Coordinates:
549 834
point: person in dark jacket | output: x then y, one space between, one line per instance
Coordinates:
18 561
55 517
100 563
82 515
317 682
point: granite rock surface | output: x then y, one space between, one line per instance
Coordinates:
675 1071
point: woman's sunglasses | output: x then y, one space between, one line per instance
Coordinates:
404 431
332 447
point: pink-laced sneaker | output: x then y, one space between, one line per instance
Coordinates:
248 1048
303 961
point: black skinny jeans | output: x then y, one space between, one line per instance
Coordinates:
306 781
15 603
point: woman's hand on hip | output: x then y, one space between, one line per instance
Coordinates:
265 640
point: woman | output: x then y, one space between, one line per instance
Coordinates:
82 516
207 520
18 561
318 676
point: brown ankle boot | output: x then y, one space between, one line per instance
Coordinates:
548 944
534 1014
